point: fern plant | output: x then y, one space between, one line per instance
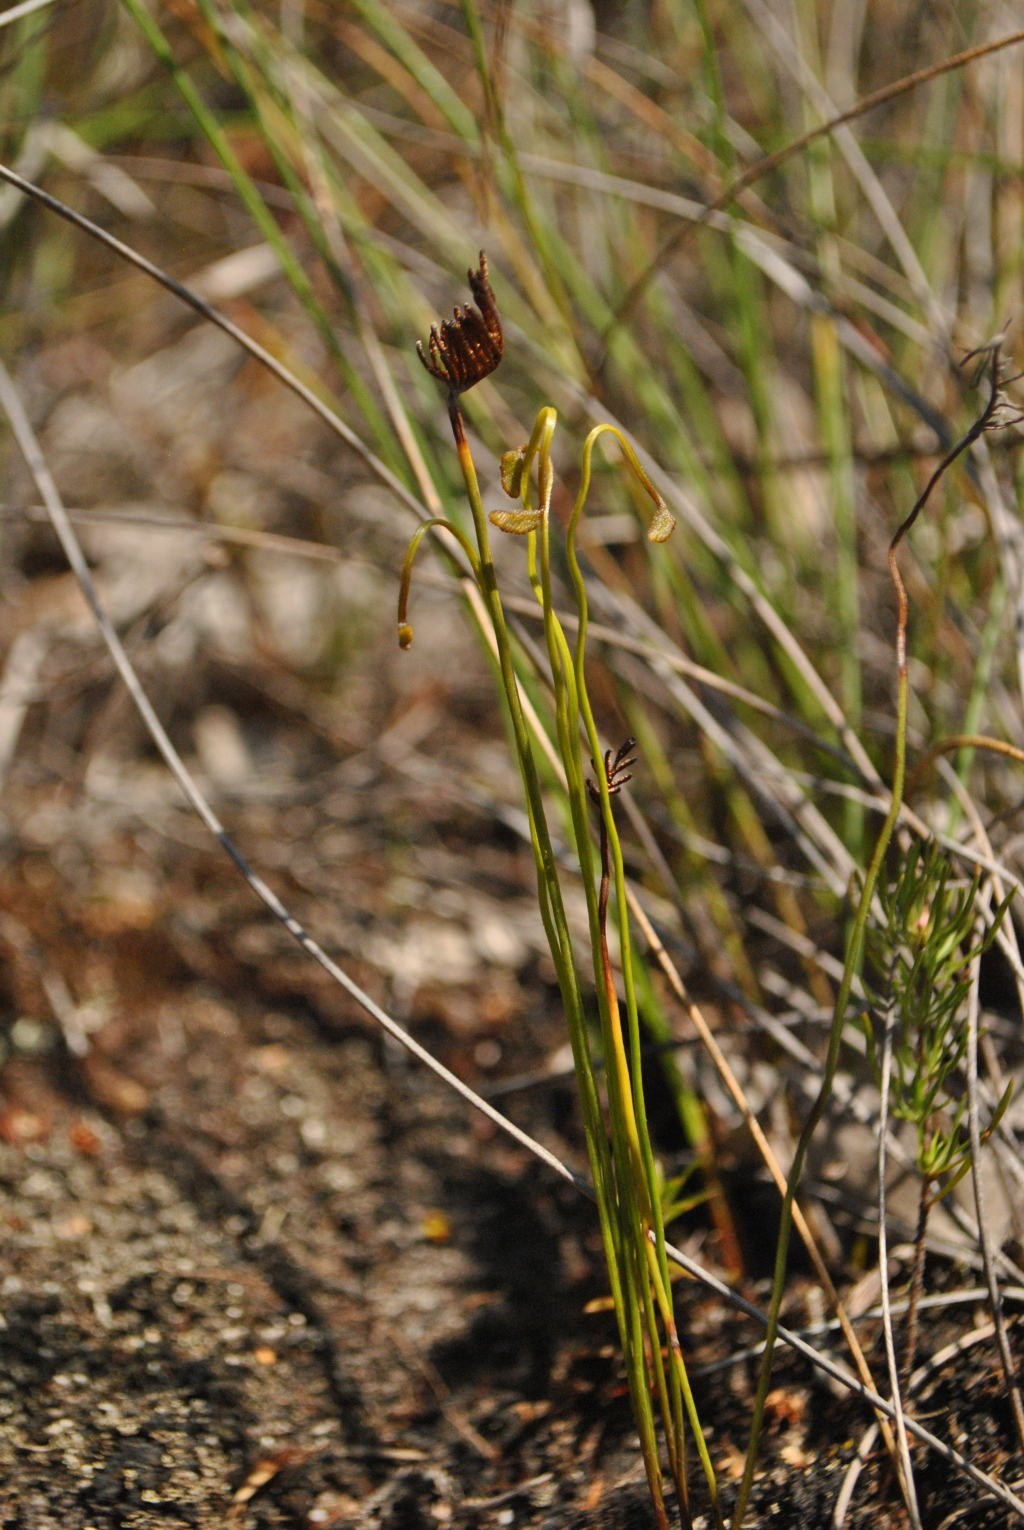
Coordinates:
629 1190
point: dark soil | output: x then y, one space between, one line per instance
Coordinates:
260 1270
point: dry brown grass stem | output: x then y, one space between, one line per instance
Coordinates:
764 1147
985 1241
770 162
960 741
200 306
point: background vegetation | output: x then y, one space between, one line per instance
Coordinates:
786 361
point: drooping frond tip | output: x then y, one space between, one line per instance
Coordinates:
516 522
468 347
405 633
663 522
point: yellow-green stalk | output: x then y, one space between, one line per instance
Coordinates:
462 352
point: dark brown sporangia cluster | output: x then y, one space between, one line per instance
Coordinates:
616 770
467 348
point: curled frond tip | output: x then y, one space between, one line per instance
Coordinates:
512 471
516 522
662 524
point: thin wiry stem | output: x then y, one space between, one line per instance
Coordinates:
984 1232
906 1466
960 741
855 946
924 1206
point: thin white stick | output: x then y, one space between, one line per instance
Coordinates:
917 1380
946 1299
193 300
30 450
845 1377
853 1472
26 8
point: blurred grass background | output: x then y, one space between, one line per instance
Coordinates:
788 367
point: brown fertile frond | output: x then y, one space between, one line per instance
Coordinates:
468 347
616 770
